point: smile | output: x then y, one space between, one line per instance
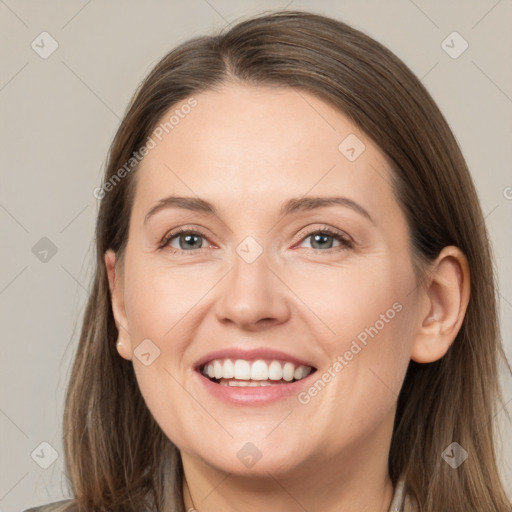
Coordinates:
260 372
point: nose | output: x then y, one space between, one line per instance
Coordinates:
253 296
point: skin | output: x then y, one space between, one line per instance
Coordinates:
248 149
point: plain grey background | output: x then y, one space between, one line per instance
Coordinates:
60 111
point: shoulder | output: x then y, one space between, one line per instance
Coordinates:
56 506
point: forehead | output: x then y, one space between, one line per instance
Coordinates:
241 144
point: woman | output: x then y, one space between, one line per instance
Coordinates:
224 363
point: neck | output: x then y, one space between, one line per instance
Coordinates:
275 495
355 481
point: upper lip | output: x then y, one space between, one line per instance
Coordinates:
253 354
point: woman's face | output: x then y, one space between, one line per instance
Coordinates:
261 273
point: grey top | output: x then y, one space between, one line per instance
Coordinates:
399 503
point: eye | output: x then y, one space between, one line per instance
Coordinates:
186 239
322 239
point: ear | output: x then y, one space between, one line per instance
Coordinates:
444 302
124 343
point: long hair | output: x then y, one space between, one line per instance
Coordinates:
117 457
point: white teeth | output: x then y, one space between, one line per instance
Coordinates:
217 367
258 370
275 371
228 371
301 372
288 370
242 369
250 383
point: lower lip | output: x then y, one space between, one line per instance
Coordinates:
254 395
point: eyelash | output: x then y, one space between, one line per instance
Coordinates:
325 230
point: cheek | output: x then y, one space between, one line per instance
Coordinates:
371 313
355 299
158 299
167 400
160 306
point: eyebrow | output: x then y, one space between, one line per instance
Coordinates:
293 205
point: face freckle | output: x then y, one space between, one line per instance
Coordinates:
264 279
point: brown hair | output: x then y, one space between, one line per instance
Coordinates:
117 457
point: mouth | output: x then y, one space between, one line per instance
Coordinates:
254 373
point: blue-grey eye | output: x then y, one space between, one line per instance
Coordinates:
324 239
187 240
320 240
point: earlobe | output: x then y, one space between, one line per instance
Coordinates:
123 345
445 299
124 349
